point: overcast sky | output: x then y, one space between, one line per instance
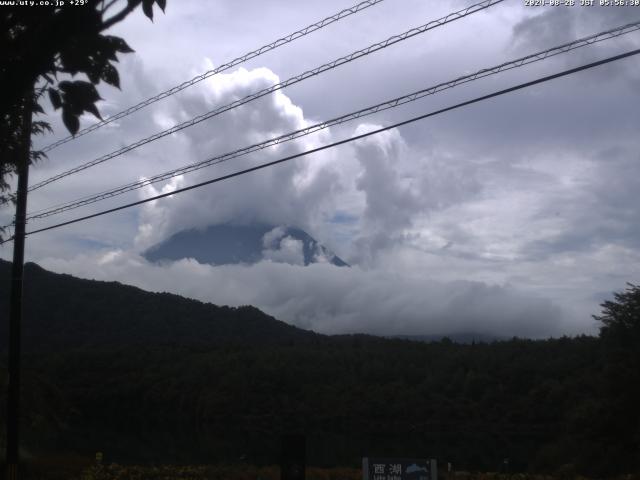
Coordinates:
515 216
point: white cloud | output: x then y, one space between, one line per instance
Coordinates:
330 299
286 250
295 193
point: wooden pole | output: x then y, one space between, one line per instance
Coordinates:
15 313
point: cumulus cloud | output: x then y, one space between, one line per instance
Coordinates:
402 188
295 193
379 180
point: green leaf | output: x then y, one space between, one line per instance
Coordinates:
110 75
147 8
85 92
93 73
119 44
93 109
109 52
36 108
54 96
74 57
39 127
70 121
65 86
36 156
78 97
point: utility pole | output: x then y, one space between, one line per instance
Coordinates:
15 314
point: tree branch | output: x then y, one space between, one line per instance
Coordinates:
118 17
108 6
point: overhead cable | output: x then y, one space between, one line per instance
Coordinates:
266 91
526 60
341 142
226 66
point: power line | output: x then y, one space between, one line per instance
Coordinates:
226 66
266 91
310 73
526 60
341 142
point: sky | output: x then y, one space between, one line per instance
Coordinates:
516 216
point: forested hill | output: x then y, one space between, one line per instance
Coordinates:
62 311
158 378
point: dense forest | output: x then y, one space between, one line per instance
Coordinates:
156 378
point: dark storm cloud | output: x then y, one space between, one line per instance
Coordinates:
563 24
602 212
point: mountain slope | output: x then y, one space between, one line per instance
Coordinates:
62 311
230 244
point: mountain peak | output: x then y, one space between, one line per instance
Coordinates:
247 244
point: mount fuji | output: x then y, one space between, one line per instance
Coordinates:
244 244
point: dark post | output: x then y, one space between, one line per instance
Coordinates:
15 314
293 459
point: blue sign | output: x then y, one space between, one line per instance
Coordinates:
399 469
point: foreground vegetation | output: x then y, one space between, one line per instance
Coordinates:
247 472
208 472
168 472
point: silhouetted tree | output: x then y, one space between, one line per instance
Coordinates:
620 335
38 43
620 318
